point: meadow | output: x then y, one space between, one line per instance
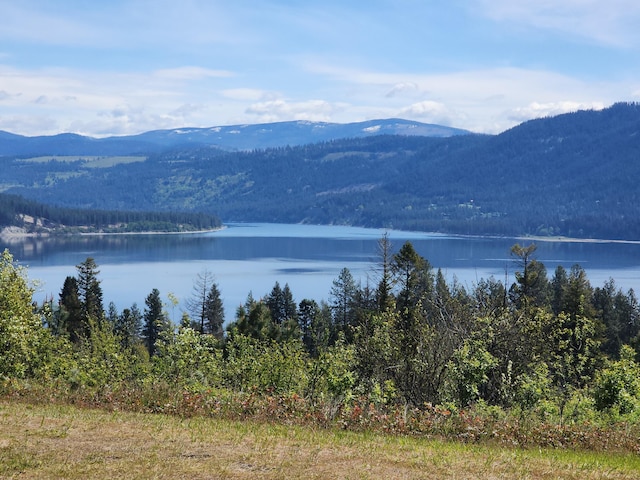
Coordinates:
64 441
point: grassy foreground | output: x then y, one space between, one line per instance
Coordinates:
61 441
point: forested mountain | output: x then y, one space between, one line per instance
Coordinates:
234 137
573 175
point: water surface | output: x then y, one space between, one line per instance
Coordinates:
252 257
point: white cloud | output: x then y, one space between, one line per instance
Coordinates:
279 110
614 22
482 100
191 73
404 88
430 112
92 103
250 94
539 110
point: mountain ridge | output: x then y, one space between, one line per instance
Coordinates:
573 175
231 137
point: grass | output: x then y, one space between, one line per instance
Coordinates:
90 161
62 441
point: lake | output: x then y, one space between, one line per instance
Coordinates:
252 257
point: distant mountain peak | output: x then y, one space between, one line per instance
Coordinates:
229 137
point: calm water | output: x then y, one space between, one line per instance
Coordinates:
252 257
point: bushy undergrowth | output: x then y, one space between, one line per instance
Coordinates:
515 374
581 427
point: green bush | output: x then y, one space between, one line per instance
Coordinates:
617 386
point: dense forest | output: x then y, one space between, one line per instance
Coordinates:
571 175
34 217
549 359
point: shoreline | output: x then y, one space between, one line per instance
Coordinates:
15 233
189 232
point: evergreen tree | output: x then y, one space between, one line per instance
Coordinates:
384 294
71 316
559 286
489 297
575 338
254 320
197 303
343 298
532 286
277 304
290 307
619 314
89 290
414 277
307 310
214 313
154 321
112 314
283 314
128 326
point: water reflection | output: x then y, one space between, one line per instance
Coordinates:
251 257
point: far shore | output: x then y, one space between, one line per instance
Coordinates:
575 240
186 232
15 233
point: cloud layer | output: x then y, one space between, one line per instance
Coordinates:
124 67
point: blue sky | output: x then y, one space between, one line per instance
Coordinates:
121 67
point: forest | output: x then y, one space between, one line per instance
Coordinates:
36 217
549 360
572 175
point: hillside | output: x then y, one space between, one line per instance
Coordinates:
573 175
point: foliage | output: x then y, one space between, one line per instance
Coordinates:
264 364
468 371
24 341
618 385
189 359
532 363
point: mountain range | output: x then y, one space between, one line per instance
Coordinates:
574 174
234 137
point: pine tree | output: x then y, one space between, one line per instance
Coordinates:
89 290
343 302
71 316
214 313
154 321
276 303
128 325
384 296
197 303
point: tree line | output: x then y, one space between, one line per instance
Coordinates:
14 209
552 344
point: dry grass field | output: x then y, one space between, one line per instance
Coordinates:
57 441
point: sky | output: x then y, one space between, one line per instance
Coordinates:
122 67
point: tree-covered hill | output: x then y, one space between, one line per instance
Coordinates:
33 217
572 175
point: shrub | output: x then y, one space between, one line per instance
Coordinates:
618 385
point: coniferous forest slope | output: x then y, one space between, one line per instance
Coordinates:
574 175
